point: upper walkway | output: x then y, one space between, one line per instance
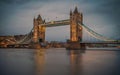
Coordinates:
57 23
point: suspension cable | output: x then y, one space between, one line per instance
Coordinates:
94 34
26 36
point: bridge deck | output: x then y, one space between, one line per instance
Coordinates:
101 42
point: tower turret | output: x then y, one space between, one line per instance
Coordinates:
76 10
70 12
35 30
35 21
81 17
39 17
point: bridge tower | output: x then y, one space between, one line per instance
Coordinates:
35 31
75 29
39 30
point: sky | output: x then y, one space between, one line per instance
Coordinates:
102 16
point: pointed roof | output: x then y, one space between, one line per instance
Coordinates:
81 14
39 17
76 10
34 18
70 12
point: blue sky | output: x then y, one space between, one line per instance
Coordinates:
100 15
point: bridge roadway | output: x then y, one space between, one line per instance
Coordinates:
101 42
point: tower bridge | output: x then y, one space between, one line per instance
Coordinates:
75 29
37 34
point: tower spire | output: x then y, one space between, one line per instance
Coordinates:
34 18
39 17
76 9
70 12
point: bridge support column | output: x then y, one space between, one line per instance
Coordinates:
75 31
39 32
35 31
75 46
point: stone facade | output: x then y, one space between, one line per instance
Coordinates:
39 30
75 29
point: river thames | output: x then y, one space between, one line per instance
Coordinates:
59 61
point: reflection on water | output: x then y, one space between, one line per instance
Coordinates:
74 59
16 62
39 61
59 62
75 62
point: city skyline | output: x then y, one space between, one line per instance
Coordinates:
101 16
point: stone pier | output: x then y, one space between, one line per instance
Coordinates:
75 46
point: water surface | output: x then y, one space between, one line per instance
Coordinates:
59 62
